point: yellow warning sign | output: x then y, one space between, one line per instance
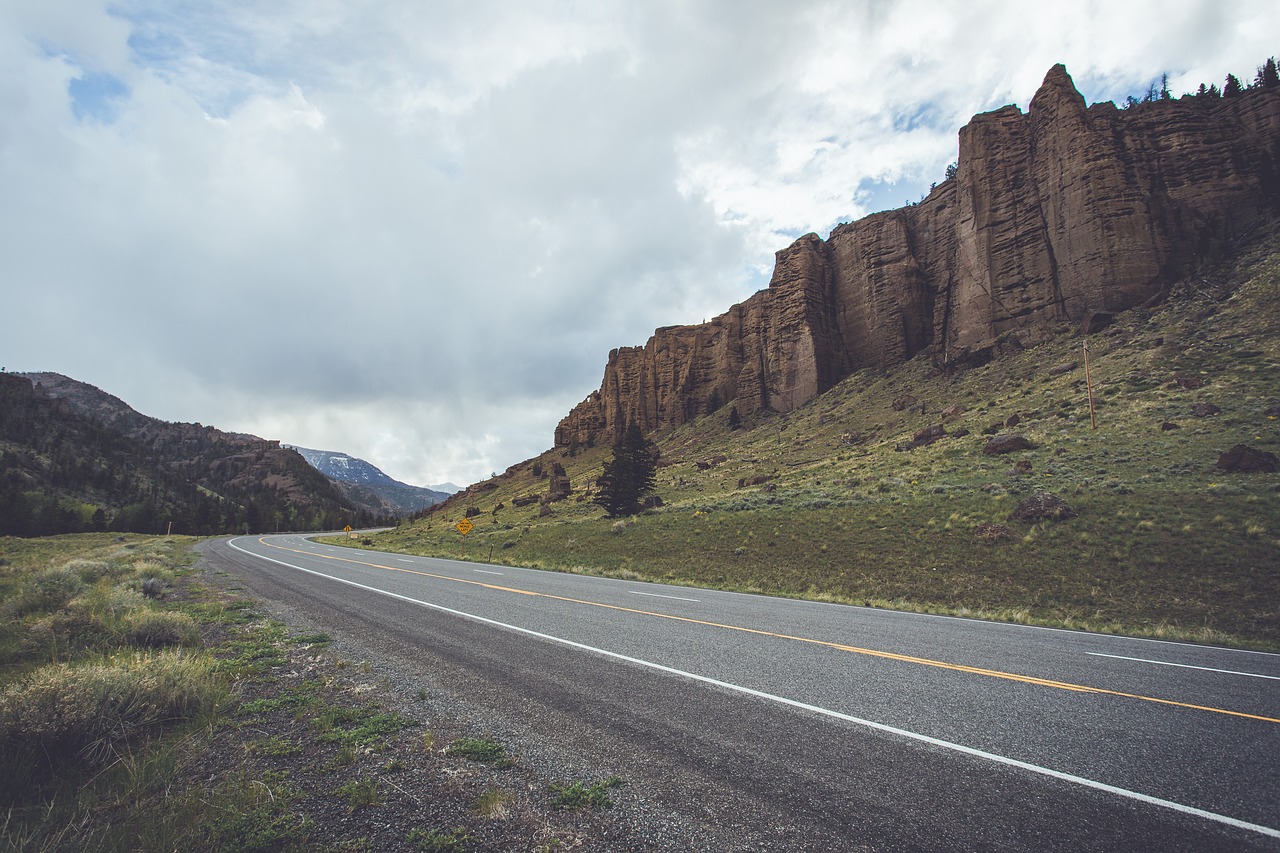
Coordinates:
465 526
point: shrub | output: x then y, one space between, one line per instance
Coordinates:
65 715
89 570
153 587
63 632
158 628
43 592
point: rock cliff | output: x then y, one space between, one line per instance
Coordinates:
1055 214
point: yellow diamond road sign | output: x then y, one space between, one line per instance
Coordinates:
465 526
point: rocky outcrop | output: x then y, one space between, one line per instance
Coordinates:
1061 213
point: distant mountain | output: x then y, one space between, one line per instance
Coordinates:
366 485
447 488
73 449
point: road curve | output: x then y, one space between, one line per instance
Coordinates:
818 726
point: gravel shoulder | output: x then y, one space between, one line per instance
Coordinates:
622 794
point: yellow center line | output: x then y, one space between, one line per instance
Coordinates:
973 670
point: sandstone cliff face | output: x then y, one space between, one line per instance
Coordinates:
1054 214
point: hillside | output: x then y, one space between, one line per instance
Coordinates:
62 472
83 459
367 486
845 498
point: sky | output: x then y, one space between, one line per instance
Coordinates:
412 230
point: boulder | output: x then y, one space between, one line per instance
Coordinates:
1043 505
992 532
924 437
1243 459
1096 322
559 487
999 444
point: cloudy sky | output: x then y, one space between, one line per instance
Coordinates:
412 230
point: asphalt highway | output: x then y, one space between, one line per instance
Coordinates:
881 729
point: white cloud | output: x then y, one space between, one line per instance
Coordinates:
412 232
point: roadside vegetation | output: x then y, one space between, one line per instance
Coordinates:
145 705
851 499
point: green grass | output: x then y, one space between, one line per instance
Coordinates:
106 690
576 795
479 749
358 727
1162 544
359 793
452 841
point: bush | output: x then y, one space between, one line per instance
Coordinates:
44 592
153 587
158 628
59 634
89 570
76 716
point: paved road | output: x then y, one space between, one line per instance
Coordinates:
888 730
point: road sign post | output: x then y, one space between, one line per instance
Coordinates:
464 527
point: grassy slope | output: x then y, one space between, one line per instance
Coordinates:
1163 545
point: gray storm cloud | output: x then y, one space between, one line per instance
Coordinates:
412 232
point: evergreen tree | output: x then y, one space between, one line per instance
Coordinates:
629 475
1268 75
1232 87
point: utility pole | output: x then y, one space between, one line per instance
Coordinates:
1088 384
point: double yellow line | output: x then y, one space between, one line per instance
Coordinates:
972 670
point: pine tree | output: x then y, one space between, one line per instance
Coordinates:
629 475
1232 87
1268 75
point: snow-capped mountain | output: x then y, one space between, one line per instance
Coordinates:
367 484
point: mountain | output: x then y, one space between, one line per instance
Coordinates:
366 485
447 488
1062 215
63 472
1133 487
242 482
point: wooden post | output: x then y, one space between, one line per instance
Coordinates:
1088 384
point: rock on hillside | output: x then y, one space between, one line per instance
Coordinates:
1057 214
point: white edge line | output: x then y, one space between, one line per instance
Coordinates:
1185 666
486 572
826 712
659 595
911 613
